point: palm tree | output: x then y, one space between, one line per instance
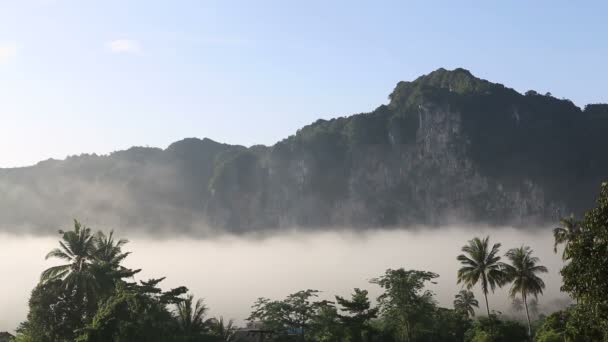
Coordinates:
77 276
108 250
191 316
107 261
566 232
465 301
93 265
481 263
522 272
78 250
225 330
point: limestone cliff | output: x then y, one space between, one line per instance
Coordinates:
448 147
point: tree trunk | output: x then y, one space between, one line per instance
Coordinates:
487 305
525 298
484 288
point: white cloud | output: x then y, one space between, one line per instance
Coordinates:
7 52
124 46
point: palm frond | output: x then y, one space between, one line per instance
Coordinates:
55 272
58 253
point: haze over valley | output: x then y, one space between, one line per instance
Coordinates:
231 272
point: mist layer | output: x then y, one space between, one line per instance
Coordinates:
230 272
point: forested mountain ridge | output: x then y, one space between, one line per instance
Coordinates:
448 147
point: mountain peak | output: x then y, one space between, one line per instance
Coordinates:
444 71
458 81
192 144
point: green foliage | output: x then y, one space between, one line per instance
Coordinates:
88 299
327 326
492 329
359 314
449 325
68 295
482 336
554 325
549 336
139 312
23 338
55 313
584 324
574 324
294 315
585 275
405 305
128 315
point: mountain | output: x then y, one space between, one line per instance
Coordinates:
447 148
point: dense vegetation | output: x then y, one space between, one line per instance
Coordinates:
90 298
448 146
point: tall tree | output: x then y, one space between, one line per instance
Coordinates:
481 264
106 265
359 313
523 273
405 305
294 315
567 231
77 248
465 302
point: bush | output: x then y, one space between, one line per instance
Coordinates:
549 336
495 330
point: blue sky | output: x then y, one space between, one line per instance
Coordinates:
96 76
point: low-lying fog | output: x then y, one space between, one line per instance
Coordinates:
231 272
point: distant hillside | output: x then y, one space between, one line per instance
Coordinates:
449 147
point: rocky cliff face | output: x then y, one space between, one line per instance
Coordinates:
448 147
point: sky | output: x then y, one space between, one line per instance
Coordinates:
97 76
